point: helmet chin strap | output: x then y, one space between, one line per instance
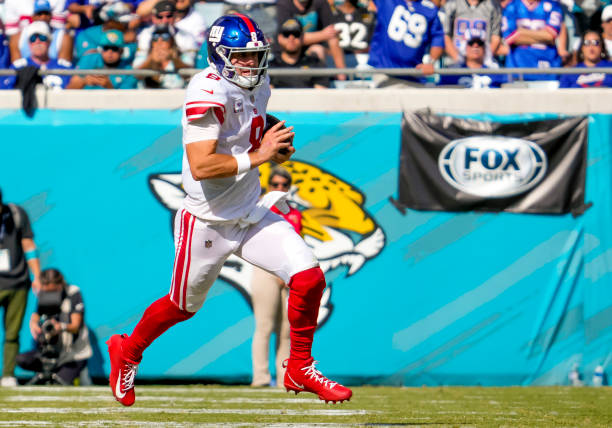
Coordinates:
231 73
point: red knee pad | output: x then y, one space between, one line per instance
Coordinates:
308 283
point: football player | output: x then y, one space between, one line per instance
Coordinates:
224 143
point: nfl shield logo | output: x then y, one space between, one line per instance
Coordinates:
208 244
238 107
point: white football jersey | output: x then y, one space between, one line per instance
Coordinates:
241 113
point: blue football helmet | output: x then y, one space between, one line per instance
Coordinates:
237 33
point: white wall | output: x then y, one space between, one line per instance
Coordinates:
499 101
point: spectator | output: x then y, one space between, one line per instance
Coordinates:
201 60
17 256
82 14
164 15
61 41
109 58
466 15
591 54
475 43
403 33
114 16
530 28
58 327
269 297
18 14
5 53
606 26
355 25
163 56
38 35
188 20
586 14
318 25
89 13
264 12
292 54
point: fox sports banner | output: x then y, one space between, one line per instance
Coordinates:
460 164
414 297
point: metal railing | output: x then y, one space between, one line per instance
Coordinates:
351 73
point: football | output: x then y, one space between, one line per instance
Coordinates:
272 120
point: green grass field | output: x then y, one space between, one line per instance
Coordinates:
233 406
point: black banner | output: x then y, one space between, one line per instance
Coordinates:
453 164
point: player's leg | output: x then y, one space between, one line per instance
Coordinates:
273 245
196 266
265 299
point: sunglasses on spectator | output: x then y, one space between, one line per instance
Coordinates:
112 48
476 42
164 36
296 33
276 184
592 42
160 16
40 37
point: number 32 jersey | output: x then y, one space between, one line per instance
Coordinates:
241 114
403 32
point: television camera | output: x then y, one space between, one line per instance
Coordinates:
49 342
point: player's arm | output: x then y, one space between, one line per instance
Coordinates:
205 162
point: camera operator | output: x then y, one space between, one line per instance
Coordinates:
62 338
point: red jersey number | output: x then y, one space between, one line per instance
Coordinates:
257 126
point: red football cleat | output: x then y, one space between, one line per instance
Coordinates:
308 378
122 373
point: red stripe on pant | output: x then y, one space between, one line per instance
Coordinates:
184 284
179 246
179 265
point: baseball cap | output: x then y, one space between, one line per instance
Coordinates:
164 6
112 38
606 13
38 27
474 34
291 25
41 6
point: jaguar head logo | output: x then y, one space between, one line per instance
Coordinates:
335 224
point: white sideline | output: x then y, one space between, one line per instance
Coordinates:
148 424
161 398
182 411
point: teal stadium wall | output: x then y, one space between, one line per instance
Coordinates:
416 298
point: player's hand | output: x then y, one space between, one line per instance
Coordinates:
285 156
275 139
426 69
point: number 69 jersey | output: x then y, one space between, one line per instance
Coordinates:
404 30
241 114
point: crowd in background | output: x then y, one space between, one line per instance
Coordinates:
169 35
